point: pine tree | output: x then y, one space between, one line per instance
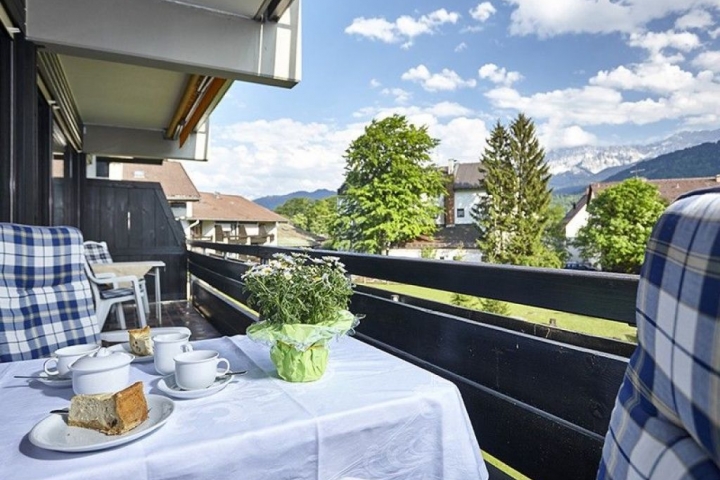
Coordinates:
514 216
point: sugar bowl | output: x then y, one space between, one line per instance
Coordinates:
101 372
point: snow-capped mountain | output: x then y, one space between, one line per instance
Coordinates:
580 166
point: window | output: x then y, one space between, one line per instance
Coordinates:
460 213
102 168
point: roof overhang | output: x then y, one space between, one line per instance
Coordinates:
138 78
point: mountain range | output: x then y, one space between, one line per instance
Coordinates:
273 201
575 168
699 161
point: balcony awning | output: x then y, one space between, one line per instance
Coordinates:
139 79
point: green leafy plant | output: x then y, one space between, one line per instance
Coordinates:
297 288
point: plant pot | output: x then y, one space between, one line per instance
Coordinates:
294 365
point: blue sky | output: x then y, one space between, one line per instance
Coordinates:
589 72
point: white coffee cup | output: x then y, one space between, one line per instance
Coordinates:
198 369
166 346
62 358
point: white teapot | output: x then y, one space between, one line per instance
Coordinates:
101 372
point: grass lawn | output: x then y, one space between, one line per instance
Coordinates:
567 321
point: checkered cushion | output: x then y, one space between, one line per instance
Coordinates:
666 421
45 298
97 252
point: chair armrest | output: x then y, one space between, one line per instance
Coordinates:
115 280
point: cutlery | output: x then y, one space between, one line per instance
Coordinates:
230 374
43 377
65 411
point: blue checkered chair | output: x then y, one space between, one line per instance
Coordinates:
45 298
666 420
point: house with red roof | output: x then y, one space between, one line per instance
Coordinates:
219 217
669 188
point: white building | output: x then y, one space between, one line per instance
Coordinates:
457 236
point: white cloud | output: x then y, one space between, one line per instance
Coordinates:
662 78
552 136
483 11
403 29
446 80
438 110
374 29
461 46
694 19
684 96
374 83
658 41
498 75
708 60
401 96
593 16
263 157
714 33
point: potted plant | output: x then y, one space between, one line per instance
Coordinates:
302 303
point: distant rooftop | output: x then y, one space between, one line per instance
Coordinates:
173 178
233 208
670 188
458 236
468 176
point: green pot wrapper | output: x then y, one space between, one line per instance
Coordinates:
296 365
299 350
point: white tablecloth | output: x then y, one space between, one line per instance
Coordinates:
372 416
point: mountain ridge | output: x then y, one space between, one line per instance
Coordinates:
579 166
273 201
699 161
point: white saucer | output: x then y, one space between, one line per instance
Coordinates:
53 432
125 347
167 385
54 380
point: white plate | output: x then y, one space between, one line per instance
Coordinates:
53 432
120 336
54 380
167 385
125 347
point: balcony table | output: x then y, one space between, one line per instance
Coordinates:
372 416
137 269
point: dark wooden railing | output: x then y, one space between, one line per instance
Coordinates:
539 398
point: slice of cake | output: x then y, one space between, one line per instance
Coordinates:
110 413
141 342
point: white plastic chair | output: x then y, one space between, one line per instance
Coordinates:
105 298
98 252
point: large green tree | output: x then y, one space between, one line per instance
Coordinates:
391 187
315 216
620 220
513 219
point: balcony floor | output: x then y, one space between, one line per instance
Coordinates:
174 314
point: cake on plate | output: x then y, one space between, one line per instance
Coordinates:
140 341
110 413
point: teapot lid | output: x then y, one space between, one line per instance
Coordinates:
102 360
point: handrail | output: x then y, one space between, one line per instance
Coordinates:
597 294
